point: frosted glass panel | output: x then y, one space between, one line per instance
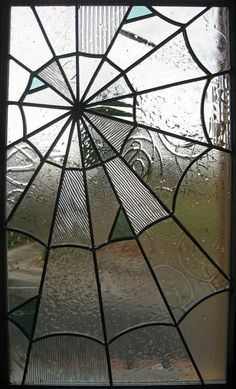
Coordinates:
118 166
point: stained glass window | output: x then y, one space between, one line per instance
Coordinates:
118 194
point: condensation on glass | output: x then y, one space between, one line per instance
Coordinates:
118 194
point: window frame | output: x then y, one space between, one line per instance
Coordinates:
5 6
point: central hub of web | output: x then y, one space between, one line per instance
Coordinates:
77 110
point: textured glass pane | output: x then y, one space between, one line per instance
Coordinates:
208 322
28 215
118 163
67 359
69 300
18 350
100 194
151 355
185 274
130 294
25 264
137 38
204 214
22 161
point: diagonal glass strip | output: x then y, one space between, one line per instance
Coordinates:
103 21
141 206
102 148
71 224
74 307
53 76
18 345
69 67
111 90
74 157
115 132
57 154
100 194
87 67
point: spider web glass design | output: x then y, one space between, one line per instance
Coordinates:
118 194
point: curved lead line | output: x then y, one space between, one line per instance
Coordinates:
24 123
184 174
163 205
140 326
193 55
27 234
37 170
165 18
104 56
68 245
52 51
202 108
227 289
65 334
46 256
157 283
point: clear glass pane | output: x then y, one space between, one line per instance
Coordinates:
118 165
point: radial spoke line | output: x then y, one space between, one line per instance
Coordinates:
104 57
24 138
77 50
34 148
53 52
215 293
95 262
175 197
159 131
46 260
145 56
166 209
193 55
155 89
37 171
149 265
37 105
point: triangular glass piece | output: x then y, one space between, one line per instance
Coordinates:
74 156
23 316
53 76
57 154
114 131
69 66
90 155
118 89
44 139
121 228
87 67
106 74
36 83
102 147
46 96
138 12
